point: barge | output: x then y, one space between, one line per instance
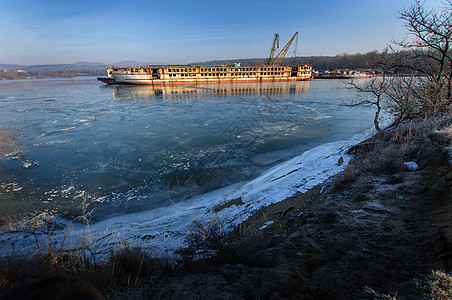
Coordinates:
186 74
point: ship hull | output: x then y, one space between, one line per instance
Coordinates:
144 81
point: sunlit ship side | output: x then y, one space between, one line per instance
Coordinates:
180 74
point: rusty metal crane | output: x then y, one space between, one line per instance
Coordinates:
282 54
272 51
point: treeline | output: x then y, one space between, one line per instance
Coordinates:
22 74
321 63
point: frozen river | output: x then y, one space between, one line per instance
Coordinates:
129 149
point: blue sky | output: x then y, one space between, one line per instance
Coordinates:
55 31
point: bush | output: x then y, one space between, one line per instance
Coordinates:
208 240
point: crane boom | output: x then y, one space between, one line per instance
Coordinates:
282 54
272 52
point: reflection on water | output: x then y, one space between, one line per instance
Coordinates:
245 89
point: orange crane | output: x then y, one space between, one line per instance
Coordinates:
282 54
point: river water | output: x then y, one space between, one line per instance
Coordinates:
127 149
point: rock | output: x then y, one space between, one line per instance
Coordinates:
411 165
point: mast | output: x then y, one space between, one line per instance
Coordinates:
282 54
272 52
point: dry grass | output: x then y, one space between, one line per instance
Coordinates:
10 142
209 243
388 150
63 253
440 285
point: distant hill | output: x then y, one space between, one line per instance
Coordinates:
55 67
10 67
81 65
87 63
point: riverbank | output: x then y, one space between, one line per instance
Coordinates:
377 227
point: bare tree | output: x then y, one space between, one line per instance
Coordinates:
421 68
372 92
430 55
